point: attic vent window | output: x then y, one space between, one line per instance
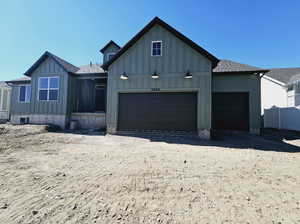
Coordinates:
110 56
156 48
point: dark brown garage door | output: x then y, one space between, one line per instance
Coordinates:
157 111
230 111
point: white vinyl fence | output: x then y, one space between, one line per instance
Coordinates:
282 118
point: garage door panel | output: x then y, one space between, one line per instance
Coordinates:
158 111
230 111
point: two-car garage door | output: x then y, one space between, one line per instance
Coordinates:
178 111
158 111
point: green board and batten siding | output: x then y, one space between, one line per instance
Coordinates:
177 58
48 68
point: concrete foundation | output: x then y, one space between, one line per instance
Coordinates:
59 120
4 115
204 134
90 120
111 130
255 131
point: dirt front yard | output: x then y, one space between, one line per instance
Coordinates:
92 178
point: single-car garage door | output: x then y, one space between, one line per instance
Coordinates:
157 111
230 111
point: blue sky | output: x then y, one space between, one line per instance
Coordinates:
263 33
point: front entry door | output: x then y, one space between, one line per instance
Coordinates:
100 96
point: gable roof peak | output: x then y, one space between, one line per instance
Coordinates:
68 67
154 21
111 42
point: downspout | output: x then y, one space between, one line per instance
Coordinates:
260 76
279 118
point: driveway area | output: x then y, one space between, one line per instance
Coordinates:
51 177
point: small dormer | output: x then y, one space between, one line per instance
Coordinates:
109 50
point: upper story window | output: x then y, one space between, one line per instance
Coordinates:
110 56
156 48
25 93
48 88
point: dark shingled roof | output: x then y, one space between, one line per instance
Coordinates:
295 78
230 66
283 75
91 68
68 67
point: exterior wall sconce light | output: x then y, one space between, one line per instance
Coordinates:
155 76
124 76
188 75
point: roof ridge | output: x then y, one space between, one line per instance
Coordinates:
85 69
89 65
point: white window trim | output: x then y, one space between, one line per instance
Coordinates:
108 54
48 89
25 94
161 47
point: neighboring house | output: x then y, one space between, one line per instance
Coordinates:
293 90
281 98
159 80
279 87
5 92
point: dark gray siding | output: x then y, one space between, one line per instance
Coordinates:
242 83
177 57
48 68
110 49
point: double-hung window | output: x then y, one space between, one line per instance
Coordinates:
156 48
48 88
25 93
